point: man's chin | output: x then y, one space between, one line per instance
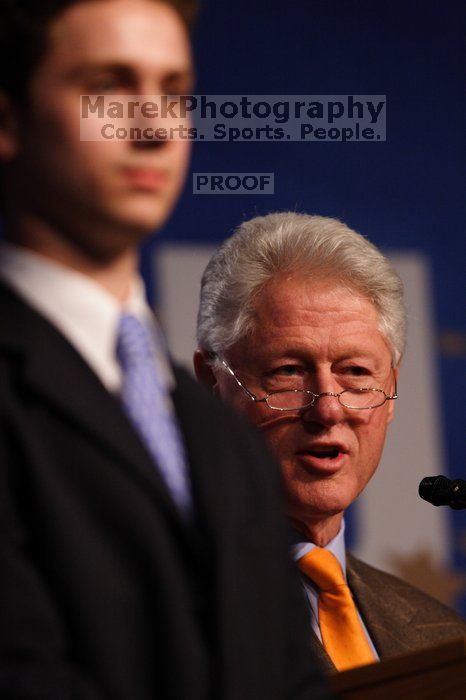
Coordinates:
142 218
112 235
315 510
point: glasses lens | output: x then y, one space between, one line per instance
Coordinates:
362 398
290 400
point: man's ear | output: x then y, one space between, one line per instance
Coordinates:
203 369
8 129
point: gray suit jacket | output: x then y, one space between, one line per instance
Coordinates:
399 617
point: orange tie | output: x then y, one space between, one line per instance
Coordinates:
342 634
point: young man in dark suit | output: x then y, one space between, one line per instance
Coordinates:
142 549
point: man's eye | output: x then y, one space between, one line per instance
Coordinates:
178 85
285 377
357 371
288 371
110 85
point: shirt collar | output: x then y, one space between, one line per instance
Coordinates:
336 546
81 309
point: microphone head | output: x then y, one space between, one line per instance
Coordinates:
436 490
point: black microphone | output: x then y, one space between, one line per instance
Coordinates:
441 491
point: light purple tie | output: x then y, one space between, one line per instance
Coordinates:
147 403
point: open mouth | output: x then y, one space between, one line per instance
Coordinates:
322 460
325 453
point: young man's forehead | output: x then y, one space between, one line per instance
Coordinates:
146 36
106 24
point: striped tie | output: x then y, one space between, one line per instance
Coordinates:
147 403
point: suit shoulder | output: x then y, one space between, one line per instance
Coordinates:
202 413
380 580
190 392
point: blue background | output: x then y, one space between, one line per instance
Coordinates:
405 194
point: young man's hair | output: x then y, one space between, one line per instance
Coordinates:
24 27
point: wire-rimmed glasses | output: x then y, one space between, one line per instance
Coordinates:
299 399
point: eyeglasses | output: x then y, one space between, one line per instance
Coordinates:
299 399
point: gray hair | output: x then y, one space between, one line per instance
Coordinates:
310 247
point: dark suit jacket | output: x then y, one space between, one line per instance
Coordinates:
399 617
104 591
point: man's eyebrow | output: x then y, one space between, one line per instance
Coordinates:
84 70
359 354
356 352
302 353
186 76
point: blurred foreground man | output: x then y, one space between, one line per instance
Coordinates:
142 552
301 328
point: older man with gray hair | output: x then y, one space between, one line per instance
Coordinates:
302 327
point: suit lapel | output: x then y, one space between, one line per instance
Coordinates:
319 653
216 487
387 615
51 368
202 450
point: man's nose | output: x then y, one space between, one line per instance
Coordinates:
326 409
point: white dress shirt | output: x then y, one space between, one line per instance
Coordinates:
338 549
81 309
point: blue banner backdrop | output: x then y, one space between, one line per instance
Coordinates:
405 194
